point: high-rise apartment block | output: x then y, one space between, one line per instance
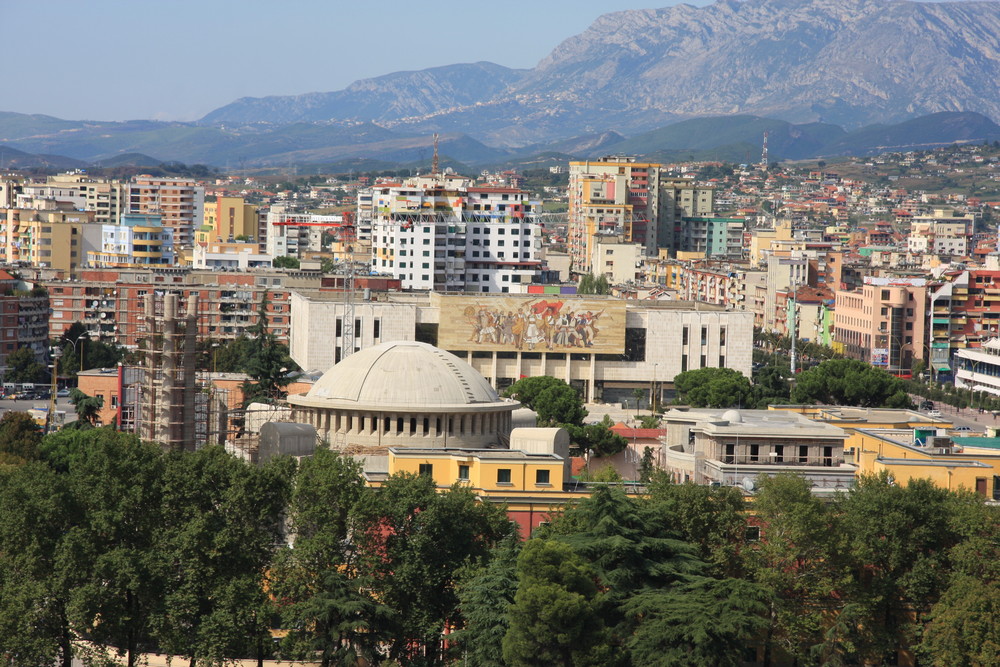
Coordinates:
612 195
228 219
635 200
45 237
180 201
884 323
441 233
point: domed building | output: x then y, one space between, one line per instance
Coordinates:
405 394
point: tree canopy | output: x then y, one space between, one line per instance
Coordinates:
850 382
713 388
23 366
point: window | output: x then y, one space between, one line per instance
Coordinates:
377 328
779 454
503 476
541 477
704 337
754 453
722 337
730 456
426 470
463 473
684 338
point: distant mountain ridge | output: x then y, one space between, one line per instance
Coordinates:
846 62
389 97
735 138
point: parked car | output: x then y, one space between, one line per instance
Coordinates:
927 405
934 413
963 429
62 393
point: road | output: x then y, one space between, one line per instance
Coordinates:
968 417
63 404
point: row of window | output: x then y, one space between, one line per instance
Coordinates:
704 336
503 474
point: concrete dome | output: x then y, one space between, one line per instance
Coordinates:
404 394
401 375
733 416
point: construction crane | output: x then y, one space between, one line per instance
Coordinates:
763 154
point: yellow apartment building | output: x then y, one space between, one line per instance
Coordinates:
48 238
228 218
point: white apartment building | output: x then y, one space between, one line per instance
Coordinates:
943 232
441 233
291 233
234 256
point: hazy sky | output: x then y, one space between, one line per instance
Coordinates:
179 59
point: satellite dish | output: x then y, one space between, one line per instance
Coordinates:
748 484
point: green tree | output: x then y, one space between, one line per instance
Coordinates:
118 484
713 388
598 439
797 561
221 522
94 353
964 625
411 541
333 618
87 407
707 622
20 437
850 382
898 539
38 569
647 466
589 284
650 421
553 400
267 365
322 601
770 387
485 596
713 519
23 366
554 619
286 262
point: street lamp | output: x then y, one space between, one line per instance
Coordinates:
50 419
80 339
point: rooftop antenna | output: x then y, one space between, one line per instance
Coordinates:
434 160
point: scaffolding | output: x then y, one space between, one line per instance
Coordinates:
169 395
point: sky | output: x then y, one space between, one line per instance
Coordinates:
180 59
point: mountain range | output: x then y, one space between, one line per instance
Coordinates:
823 77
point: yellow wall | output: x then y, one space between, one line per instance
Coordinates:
231 215
949 471
482 473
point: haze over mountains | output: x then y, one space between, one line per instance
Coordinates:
813 72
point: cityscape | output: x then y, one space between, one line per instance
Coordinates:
479 365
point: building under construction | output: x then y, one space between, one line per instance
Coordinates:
168 394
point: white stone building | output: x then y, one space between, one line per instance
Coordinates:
658 340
